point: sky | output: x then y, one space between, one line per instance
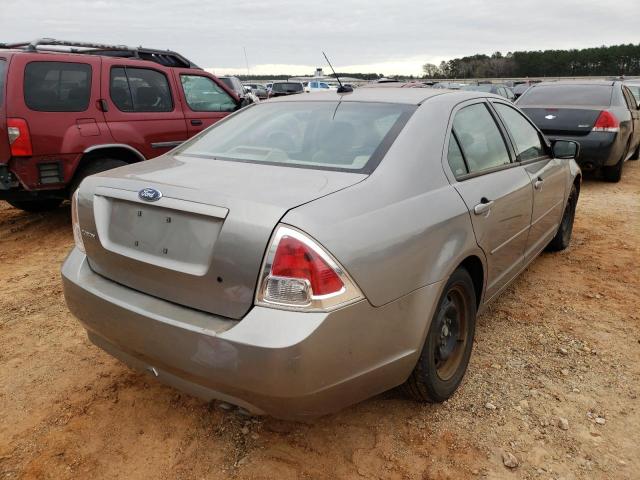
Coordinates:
282 36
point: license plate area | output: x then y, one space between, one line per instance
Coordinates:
175 239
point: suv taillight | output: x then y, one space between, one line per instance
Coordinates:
300 274
19 137
606 122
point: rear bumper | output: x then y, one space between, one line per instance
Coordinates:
597 149
287 364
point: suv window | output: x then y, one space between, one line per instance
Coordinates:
527 141
57 86
203 95
480 139
140 90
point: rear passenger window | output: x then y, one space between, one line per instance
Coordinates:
140 90
527 141
204 95
57 86
480 139
456 160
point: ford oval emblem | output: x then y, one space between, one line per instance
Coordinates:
150 194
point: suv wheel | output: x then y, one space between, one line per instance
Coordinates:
96 165
447 348
35 206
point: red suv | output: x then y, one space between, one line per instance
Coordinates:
69 109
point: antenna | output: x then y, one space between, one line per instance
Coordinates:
245 59
342 88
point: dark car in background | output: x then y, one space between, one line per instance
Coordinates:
496 88
258 90
281 89
601 115
234 83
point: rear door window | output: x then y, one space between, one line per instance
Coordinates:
527 141
204 95
455 158
57 86
480 139
571 95
140 90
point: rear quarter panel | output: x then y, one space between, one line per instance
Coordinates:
403 227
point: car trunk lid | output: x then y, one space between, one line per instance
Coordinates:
564 120
202 243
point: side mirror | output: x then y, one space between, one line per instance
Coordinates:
565 149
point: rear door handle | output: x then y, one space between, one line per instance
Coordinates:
483 207
538 183
196 122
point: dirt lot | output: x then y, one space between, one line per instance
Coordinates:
554 380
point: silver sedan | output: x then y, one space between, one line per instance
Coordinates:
307 253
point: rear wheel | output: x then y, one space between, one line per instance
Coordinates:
96 165
35 206
614 172
447 348
563 235
636 154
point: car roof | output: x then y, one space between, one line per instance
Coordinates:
409 96
604 83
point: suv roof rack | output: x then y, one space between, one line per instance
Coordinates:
167 58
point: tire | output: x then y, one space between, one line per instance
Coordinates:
636 154
36 206
446 351
562 238
94 166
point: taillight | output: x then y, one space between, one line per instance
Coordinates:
75 223
299 274
606 122
19 137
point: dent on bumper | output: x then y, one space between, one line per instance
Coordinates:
286 364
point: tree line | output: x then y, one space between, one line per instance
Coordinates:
613 60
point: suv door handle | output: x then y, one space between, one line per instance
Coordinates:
483 207
196 122
538 183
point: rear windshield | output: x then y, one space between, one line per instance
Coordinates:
287 87
57 86
3 69
350 136
578 95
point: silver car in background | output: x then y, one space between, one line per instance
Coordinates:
310 252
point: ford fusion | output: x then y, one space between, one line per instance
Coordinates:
307 253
